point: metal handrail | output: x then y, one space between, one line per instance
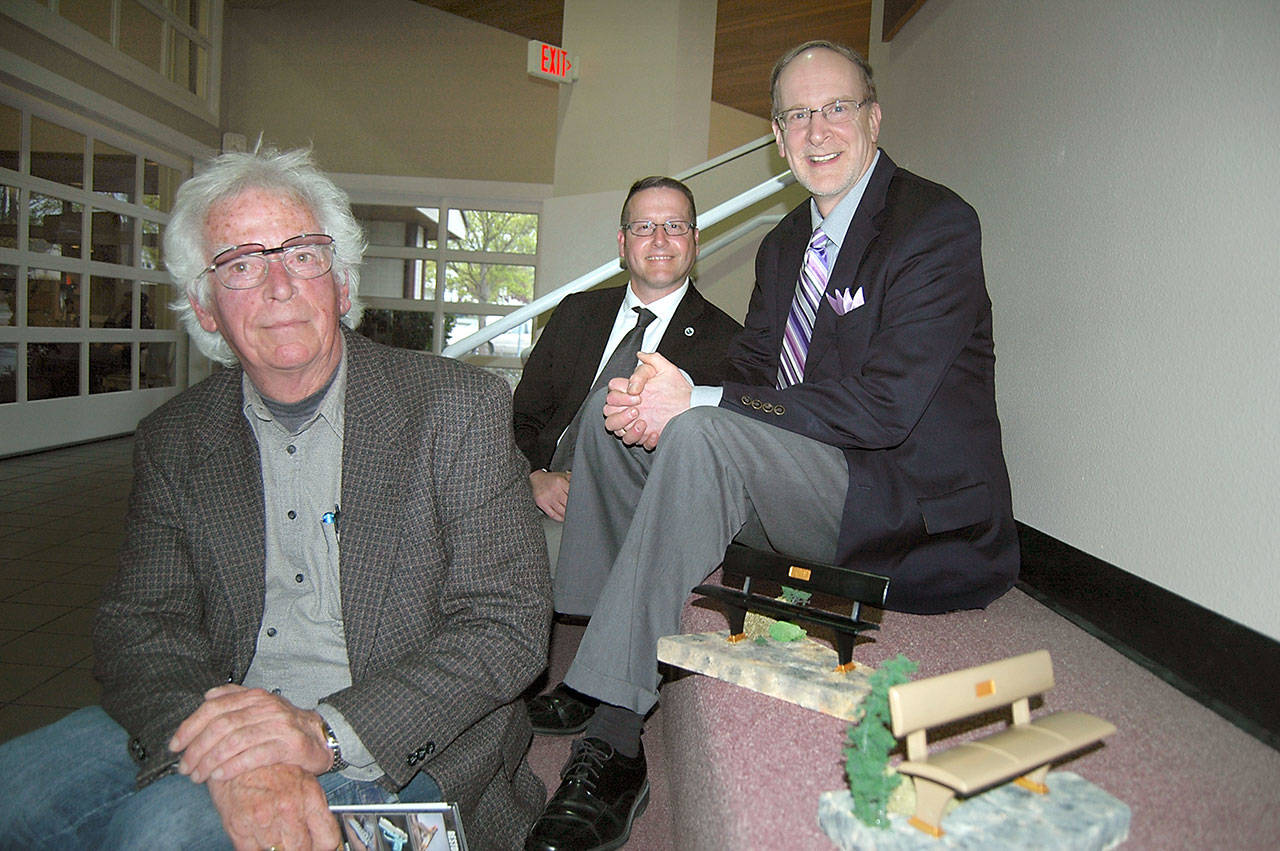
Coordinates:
609 268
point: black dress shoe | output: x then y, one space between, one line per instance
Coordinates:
561 711
601 793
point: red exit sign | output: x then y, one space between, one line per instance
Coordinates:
552 63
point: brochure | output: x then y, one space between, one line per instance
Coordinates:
401 827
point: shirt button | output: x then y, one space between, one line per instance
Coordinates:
297 577
271 631
293 515
291 449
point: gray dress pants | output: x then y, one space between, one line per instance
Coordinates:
642 528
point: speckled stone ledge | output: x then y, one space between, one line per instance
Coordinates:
800 672
1075 815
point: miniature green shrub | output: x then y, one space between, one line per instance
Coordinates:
870 741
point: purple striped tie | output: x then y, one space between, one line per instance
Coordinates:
809 290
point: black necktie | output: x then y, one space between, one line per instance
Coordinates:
620 365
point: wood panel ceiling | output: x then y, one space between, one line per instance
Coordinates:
750 35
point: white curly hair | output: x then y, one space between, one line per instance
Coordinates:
290 173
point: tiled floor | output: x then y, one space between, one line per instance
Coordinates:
61 521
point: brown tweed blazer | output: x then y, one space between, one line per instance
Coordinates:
445 588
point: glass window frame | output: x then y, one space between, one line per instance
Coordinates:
23 258
204 103
439 305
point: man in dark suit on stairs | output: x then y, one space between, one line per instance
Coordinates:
593 336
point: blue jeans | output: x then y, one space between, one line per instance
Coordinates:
71 785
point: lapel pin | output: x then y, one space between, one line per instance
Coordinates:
688 331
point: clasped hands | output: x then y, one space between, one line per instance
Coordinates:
638 408
259 755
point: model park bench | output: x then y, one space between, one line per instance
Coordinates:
1023 750
852 585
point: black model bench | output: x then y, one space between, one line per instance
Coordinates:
811 576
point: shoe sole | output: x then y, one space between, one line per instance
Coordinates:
637 810
560 731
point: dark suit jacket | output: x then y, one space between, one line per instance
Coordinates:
904 385
561 367
445 591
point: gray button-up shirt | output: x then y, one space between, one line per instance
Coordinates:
302 651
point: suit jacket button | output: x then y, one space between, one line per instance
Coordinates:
767 407
755 403
136 748
746 400
779 410
430 748
413 759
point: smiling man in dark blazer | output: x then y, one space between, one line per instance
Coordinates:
333 586
657 244
860 428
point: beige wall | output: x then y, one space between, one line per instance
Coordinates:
732 127
1124 163
388 87
641 104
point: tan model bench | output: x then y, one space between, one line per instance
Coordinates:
1023 750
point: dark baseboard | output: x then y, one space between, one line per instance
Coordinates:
1229 668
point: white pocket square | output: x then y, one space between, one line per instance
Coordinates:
841 302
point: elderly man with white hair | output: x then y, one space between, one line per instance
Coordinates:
334 585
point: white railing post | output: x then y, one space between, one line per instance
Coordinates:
609 268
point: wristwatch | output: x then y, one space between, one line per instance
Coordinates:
331 742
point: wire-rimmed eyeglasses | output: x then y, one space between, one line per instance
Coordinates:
244 267
836 112
644 227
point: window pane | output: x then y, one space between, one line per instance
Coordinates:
113 171
112 238
403 227
194 12
395 278
140 34
187 64
57 153
53 226
91 15
152 243
8 372
156 362
153 311
10 134
507 344
159 185
404 329
53 370
490 230
488 283
9 212
110 304
53 299
8 295
110 367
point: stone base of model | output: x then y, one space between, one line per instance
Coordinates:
1075 815
800 672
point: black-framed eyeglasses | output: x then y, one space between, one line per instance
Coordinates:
244 267
644 227
836 112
